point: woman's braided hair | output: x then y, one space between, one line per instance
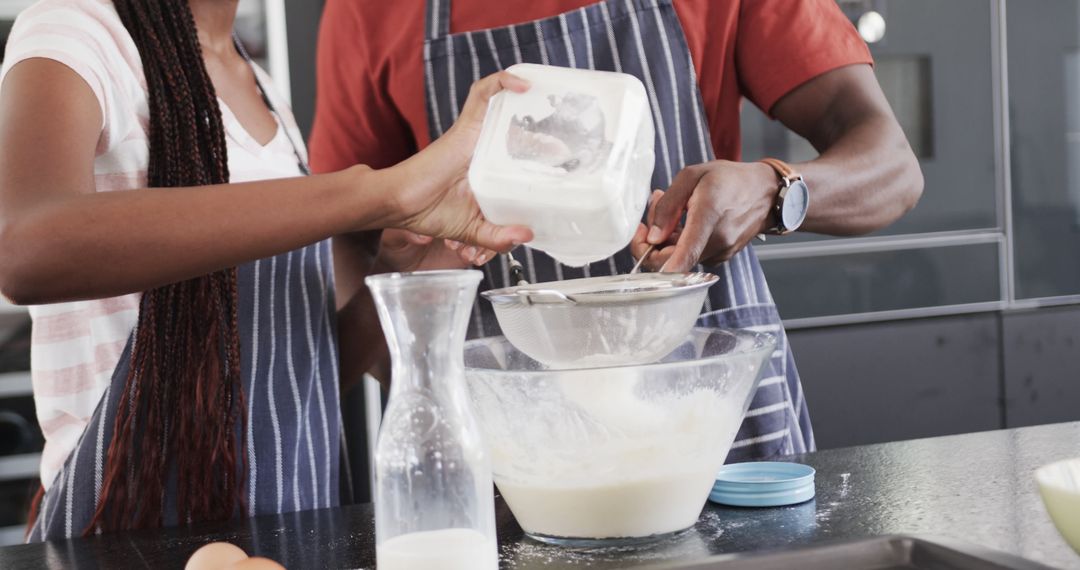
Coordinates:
182 408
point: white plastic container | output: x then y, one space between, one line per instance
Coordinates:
571 158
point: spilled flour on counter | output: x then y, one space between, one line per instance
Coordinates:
825 513
528 553
845 485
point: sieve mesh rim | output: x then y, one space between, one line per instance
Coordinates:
611 289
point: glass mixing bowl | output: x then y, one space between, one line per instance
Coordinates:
619 454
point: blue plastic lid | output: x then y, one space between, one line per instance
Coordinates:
763 484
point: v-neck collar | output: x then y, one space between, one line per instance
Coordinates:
241 135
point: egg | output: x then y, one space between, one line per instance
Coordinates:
256 563
216 556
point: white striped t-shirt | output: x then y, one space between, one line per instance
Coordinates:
76 346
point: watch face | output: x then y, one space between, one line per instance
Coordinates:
795 205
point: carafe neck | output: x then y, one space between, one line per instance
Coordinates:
425 316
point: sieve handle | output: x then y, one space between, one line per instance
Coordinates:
517 272
637 266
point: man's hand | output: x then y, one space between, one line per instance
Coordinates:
726 205
865 178
404 251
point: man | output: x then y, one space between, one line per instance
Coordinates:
392 75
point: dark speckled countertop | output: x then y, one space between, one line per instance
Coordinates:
975 487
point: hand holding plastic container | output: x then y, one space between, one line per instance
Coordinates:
434 506
571 158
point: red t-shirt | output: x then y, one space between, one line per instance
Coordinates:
371 109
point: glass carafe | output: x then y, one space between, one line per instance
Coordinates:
434 506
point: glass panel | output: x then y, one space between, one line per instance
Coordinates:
1044 111
884 281
906 83
936 73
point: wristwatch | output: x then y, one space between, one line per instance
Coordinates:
792 199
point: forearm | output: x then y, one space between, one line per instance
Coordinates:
866 180
360 337
56 249
362 345
867 176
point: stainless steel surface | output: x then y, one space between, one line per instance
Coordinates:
936 311
877 243
1002 147
882 553
900 314
1040 302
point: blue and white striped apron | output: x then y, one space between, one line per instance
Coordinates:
289 364
643 38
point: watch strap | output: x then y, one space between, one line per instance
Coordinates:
783 169
787 175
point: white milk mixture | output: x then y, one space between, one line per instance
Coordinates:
449 549
643 466
630 507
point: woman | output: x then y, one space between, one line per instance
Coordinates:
185 367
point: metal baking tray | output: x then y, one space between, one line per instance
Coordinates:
880 553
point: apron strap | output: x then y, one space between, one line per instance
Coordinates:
437 20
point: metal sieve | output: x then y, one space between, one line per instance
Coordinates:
601 321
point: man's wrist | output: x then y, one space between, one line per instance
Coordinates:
767 183
791 198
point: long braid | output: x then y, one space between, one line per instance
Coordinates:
182 405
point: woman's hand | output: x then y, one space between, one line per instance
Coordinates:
434 197
726 205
